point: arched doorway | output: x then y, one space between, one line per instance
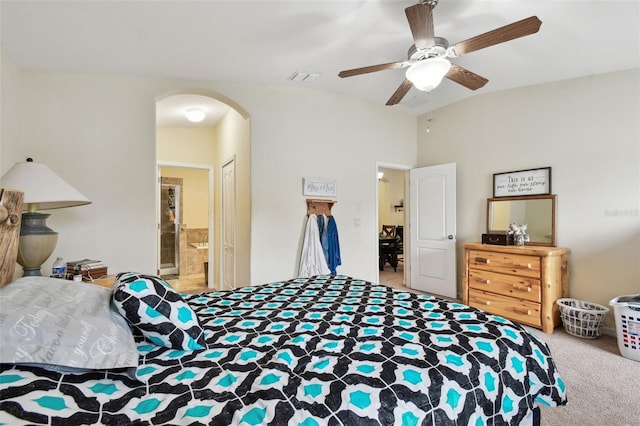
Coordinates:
185 149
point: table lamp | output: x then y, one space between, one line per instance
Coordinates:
43 190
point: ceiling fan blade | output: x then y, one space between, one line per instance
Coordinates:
399 93
518 29
420 17
371 68
466 78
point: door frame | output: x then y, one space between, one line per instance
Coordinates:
407 261
223 261
210 216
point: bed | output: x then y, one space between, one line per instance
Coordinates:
323 350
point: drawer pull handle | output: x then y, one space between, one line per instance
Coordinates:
488 302
482 260
522 288
522 311
482 281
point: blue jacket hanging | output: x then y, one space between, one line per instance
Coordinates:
333 260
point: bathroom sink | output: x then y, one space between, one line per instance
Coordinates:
200 246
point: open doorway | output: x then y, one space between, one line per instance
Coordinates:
186 224
429 231
191 155
391 221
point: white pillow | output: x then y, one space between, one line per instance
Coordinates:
56 322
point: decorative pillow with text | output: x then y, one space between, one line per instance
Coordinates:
64 326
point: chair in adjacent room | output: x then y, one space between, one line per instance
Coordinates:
388 231
387 247
399 243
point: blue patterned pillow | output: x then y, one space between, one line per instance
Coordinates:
158 311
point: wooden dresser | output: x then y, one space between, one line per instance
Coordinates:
521 283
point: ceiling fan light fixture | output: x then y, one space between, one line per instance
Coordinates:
195 115
427 74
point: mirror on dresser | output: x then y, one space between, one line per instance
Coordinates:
537 211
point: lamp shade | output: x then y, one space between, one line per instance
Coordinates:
42 188
427 74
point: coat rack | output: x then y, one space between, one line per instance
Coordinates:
319 206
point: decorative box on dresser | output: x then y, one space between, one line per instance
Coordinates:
521 283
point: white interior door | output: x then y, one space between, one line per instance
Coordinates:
229 225
432 229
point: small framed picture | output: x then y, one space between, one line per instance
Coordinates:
319 187
522 182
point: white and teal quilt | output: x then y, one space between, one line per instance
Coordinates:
327 350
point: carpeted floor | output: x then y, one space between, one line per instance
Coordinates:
603 387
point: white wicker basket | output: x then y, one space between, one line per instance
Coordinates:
580 318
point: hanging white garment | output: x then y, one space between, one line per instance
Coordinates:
312 260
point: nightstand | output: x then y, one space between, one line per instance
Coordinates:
104 282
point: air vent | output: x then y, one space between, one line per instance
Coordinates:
300 76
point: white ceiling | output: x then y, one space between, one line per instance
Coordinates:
171 111
265 41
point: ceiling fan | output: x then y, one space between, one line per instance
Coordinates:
427 57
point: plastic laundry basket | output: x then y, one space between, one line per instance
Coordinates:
627 313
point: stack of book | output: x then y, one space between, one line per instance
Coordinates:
89 269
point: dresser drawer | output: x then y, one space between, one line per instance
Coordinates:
507 285
505 263
515 309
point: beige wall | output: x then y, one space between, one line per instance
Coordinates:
187 145
390 192
298 133
10 107
109 121
588 131
235 130
10 117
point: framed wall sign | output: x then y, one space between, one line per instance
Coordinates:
319 187
522 182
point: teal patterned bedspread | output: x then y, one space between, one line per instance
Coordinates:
328 350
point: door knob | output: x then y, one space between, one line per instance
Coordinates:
450 237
